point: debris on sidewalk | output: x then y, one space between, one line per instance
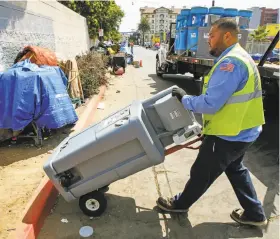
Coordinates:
118 91
86 231
50 151
101 106
64 220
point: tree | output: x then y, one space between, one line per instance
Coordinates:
260 34
114 35
144 27
99 14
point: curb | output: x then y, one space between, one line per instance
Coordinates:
44 197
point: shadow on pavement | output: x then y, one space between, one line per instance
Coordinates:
180 228
25 148
191 86
124 219
262 161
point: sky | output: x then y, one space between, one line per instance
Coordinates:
132 12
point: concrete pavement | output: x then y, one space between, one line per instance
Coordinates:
131 201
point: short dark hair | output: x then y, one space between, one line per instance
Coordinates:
227 24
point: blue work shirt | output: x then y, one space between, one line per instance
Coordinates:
222 85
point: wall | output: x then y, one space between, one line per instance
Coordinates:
43 23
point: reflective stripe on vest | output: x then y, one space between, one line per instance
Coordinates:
244 98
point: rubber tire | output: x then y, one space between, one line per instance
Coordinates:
158 74
104 189
98 196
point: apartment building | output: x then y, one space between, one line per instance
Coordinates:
263 16
159 19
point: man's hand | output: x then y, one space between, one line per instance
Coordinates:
179 93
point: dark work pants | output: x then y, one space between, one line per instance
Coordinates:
215 157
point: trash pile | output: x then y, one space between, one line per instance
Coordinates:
34 96
120 55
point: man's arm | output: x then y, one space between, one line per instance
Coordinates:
230 76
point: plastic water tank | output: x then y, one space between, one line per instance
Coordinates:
214 14
216 11
186 22
192 38
198 15
244 18
245 13
183 40
178 22
186 19
230 12
177 41
177 36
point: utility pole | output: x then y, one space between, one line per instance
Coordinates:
213 3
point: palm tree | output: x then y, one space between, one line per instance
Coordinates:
144 26
260 34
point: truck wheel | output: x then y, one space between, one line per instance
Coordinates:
158 68
93 204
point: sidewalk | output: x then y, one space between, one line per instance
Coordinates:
131 201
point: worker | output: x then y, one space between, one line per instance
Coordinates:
131 47
232 109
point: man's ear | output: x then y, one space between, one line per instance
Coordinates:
227 36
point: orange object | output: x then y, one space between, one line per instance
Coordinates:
141 63
38 208
119 71
40 56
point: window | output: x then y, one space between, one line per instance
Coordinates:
153 21
152 32
153 15
161 21
152 26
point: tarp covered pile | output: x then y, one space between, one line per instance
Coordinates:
29 92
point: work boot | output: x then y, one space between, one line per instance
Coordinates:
167 204
238 216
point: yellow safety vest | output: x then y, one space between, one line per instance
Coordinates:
244 109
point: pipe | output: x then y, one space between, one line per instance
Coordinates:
174 76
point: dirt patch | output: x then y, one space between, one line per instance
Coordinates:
20 174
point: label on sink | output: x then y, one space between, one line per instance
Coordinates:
114 118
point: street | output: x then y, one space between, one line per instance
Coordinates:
131 211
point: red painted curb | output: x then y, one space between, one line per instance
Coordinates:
44 197
37 210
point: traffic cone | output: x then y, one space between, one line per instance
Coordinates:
141 63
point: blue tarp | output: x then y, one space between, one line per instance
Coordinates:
32 93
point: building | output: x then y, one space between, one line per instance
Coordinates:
263 16
159 19
269 15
